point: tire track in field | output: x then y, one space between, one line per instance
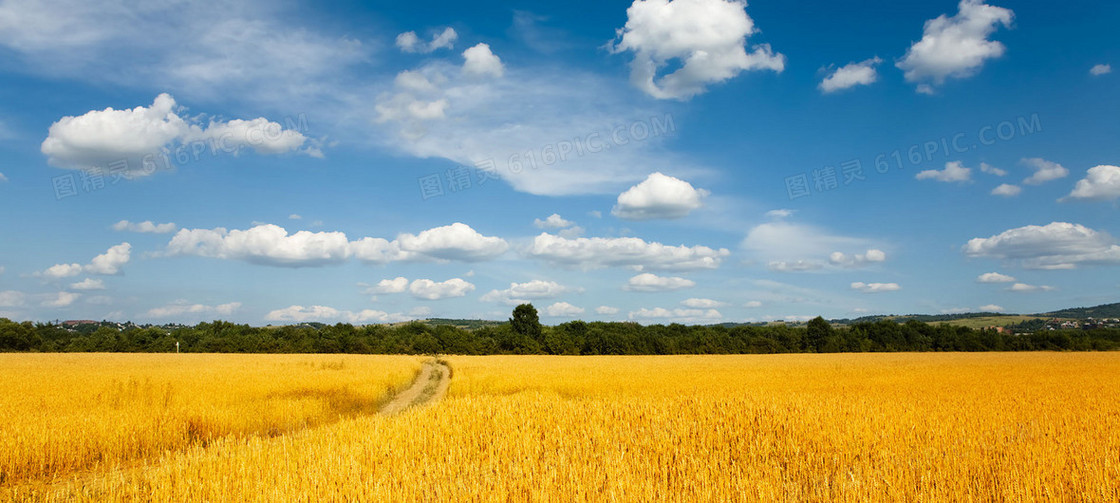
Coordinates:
429 387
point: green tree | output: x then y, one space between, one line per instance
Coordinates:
526 322
818 334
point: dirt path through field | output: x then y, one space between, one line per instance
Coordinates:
429 387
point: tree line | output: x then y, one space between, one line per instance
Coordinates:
524 334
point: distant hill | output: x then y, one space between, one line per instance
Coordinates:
466 324
978 320
1101 311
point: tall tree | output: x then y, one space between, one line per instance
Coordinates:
526 322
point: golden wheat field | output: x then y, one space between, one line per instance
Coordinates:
854 427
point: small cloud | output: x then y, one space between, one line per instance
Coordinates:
991 170
1044 171
606 310
954 172
88 284
851 75
875 287
857 259
994 277
554 221
702 303
395 285
647 282
480 62
955 47
3 178
991 308
295 216
659 196
780 213
410 42
1101 69
753 304
1102 183
61 299
145 227
427 289
563 309
1007 190
794 265
1025 288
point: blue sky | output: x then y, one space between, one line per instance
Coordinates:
695 161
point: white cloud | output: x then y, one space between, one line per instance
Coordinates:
12 298
111 261
3 178
295 216
63 271
794 265
647 282
857 260
264 244
457 241
410 42
591 253
62 299
1025 288
954 172
1101 69
181 307
272 245
1101 183
991 308
299 314
395 285
955 47
1007 190
430 290
88 284
145 227
991 170
1057 245
875 287
108 263
702 303
478 61
521 293
994 277
140 140
264 52
1044 171
753 304
677 315
554 221
790 247
706 37
780 213
563 309
585 135
659 196
851 75
606 310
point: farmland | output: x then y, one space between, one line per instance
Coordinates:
838 427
